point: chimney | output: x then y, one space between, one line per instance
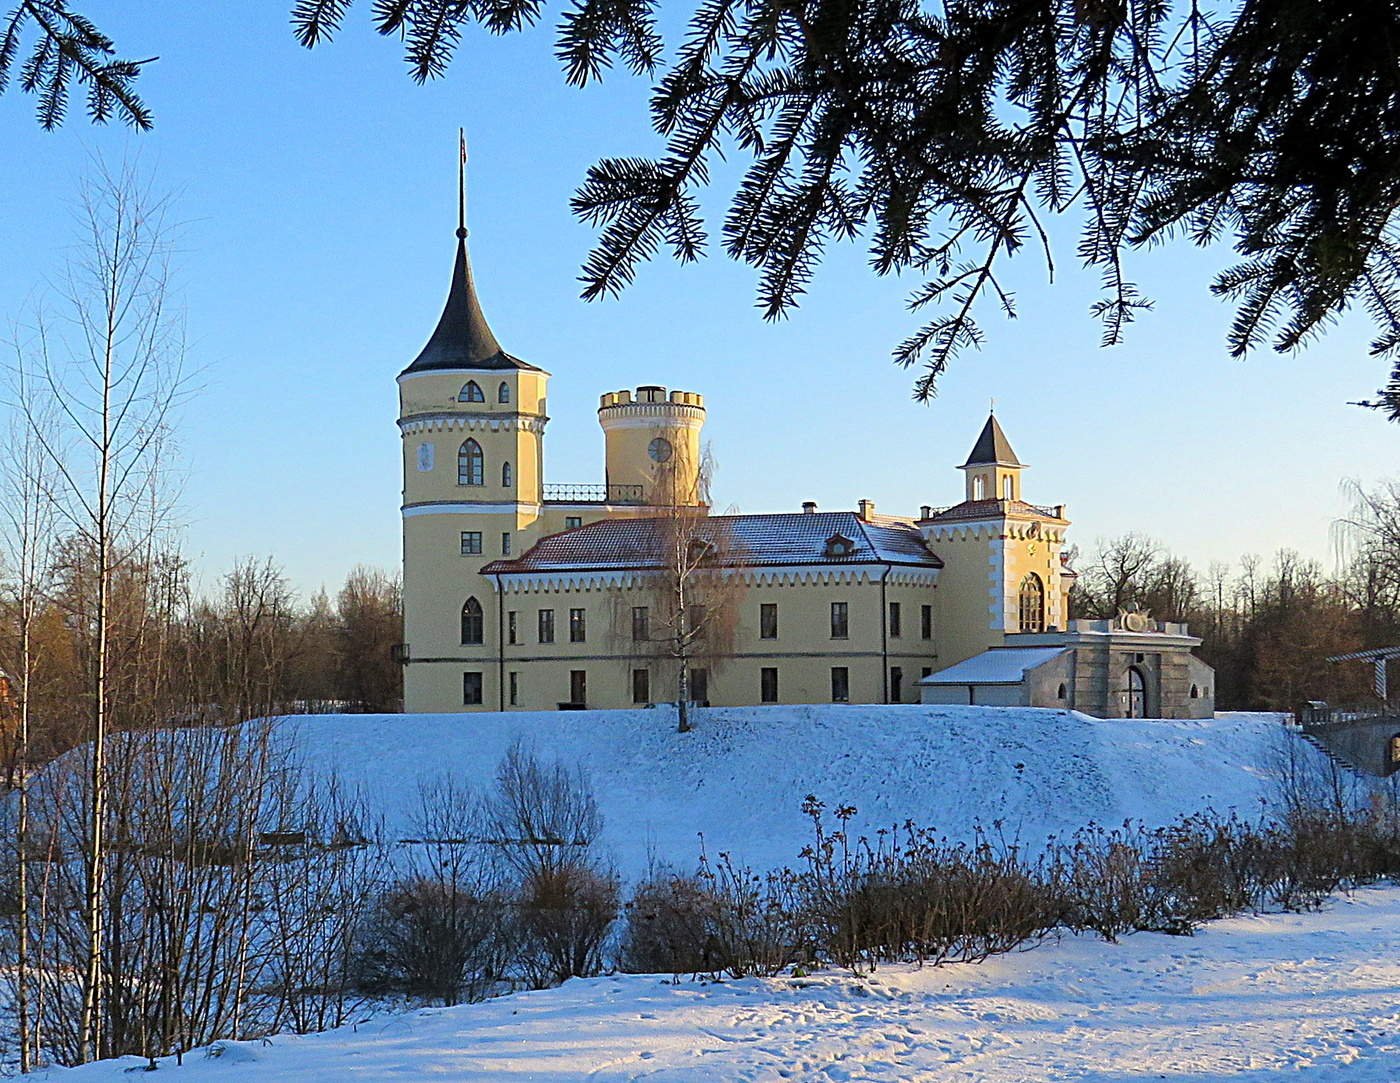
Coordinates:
926 511
867 510
810 507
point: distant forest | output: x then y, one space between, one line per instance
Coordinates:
1268 625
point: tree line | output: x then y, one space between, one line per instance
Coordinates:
1267 627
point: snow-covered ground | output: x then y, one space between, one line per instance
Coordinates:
740 777
1254 999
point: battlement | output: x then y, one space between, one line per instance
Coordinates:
649 395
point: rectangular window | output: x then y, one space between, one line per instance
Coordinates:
573 522
926 621
700 687
546 626
925 671
514 689
768 620
840 625
641 686
512 628
505 543
896 624
840 685
471 688
768 684
471 543
896 684
578 628
640 629
578 687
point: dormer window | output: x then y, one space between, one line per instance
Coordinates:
471 392
838 545
698 549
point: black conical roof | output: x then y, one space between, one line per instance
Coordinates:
462 338
992 447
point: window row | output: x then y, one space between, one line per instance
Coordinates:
471 392
471 466
471 543
696 618
698 683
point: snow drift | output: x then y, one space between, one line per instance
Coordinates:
739 779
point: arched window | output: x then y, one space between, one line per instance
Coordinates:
1395 751
506 478
473 627
979 487
471 392
503 392
1060 694
471 464
1032 598
1008 488
1137 693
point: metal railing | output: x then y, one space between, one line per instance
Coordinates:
1322 715
594 494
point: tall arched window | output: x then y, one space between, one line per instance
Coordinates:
471 392
471 464
503 392
506 478
1008 488
1032 603
473 627
979 487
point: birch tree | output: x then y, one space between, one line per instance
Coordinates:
109 363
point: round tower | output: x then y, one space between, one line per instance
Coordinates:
652 439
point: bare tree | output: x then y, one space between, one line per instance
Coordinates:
693 581
26 535
111 368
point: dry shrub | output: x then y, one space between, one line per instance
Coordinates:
434 939
560 921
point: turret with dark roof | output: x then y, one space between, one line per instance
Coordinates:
992 447
462 338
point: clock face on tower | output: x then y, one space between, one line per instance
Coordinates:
659 449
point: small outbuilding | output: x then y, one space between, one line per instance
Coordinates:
1131 667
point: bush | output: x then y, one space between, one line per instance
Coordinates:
434 939
560 918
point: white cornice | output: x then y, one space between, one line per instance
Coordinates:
465 508
472 423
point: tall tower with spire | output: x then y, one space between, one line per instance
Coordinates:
472 419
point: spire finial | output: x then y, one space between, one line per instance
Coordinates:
462 183
993 408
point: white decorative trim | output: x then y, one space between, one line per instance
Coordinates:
636 415
783 575
472 423
469 509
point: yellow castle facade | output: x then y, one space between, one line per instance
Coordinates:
521 594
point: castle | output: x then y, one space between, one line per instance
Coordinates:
522 595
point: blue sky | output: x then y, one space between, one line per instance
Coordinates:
317 192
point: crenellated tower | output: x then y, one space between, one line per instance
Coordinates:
652 444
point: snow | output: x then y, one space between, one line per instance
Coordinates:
1001 665
740 778
1260 999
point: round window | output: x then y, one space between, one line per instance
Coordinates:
659 449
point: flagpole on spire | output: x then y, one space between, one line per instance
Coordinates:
462 183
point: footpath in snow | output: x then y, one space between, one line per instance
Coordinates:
1254 999
740 777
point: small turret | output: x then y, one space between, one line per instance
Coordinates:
652 439
992 469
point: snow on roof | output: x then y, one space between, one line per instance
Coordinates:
1000 665
748 540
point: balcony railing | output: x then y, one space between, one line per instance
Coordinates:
594 494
